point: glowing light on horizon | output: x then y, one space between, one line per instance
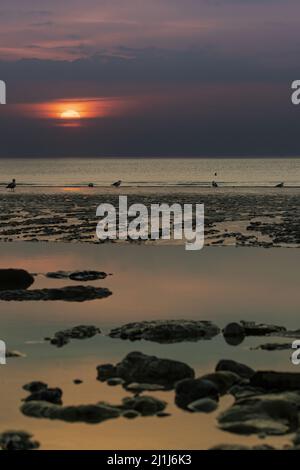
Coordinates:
70 114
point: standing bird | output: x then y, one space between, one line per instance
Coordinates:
117 184
12 185
214 184
280 185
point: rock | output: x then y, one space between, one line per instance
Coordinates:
166 331
130 414
69 294
223 380
17 440
234 329
63 337
77 381
271 380
85 276
140 387
35 386
240 447
11 279
236 367
261 329
141 368
51 395
274 346
205 405
144 405
273 414
115 381
72 414
189 390
163 414
77 275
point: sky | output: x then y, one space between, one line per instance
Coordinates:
182 78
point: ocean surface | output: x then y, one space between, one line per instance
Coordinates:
151 172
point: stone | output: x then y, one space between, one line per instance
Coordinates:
223 380
130 414
166 331
268 414
144 405
140 387
61 338
71 414
236 367
189 390
35 386
51 395
82 276
17 440
14 279
68 294
141 368
115 381
271 380
204 405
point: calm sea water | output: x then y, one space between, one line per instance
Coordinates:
151 172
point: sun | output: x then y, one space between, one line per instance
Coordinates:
70 114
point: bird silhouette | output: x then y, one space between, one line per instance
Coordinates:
12 185
280 185
117 184
214 184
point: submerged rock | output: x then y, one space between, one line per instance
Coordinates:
274 346
272 414
247 328
68 294
189 390
11 279
141 368
271 380
166 331
17 440
83 276
72 414
236 367
63 337
145 405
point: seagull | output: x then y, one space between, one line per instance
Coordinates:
214 184
117 184
280 185
12 185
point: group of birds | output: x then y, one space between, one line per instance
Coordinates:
12 185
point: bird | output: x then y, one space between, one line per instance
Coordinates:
12 185
216 174
280 185
91 185
117 184
214 184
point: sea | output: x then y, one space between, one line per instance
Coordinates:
140 172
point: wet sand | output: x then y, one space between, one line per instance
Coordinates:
233 216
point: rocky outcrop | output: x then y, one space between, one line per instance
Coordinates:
41 392
141 368
166 331
12 279
68 294
63 337
280 381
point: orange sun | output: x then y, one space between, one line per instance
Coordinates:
70 114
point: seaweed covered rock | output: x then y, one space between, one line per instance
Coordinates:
166 331
141 368
236 367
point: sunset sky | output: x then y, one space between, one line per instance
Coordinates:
149 77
